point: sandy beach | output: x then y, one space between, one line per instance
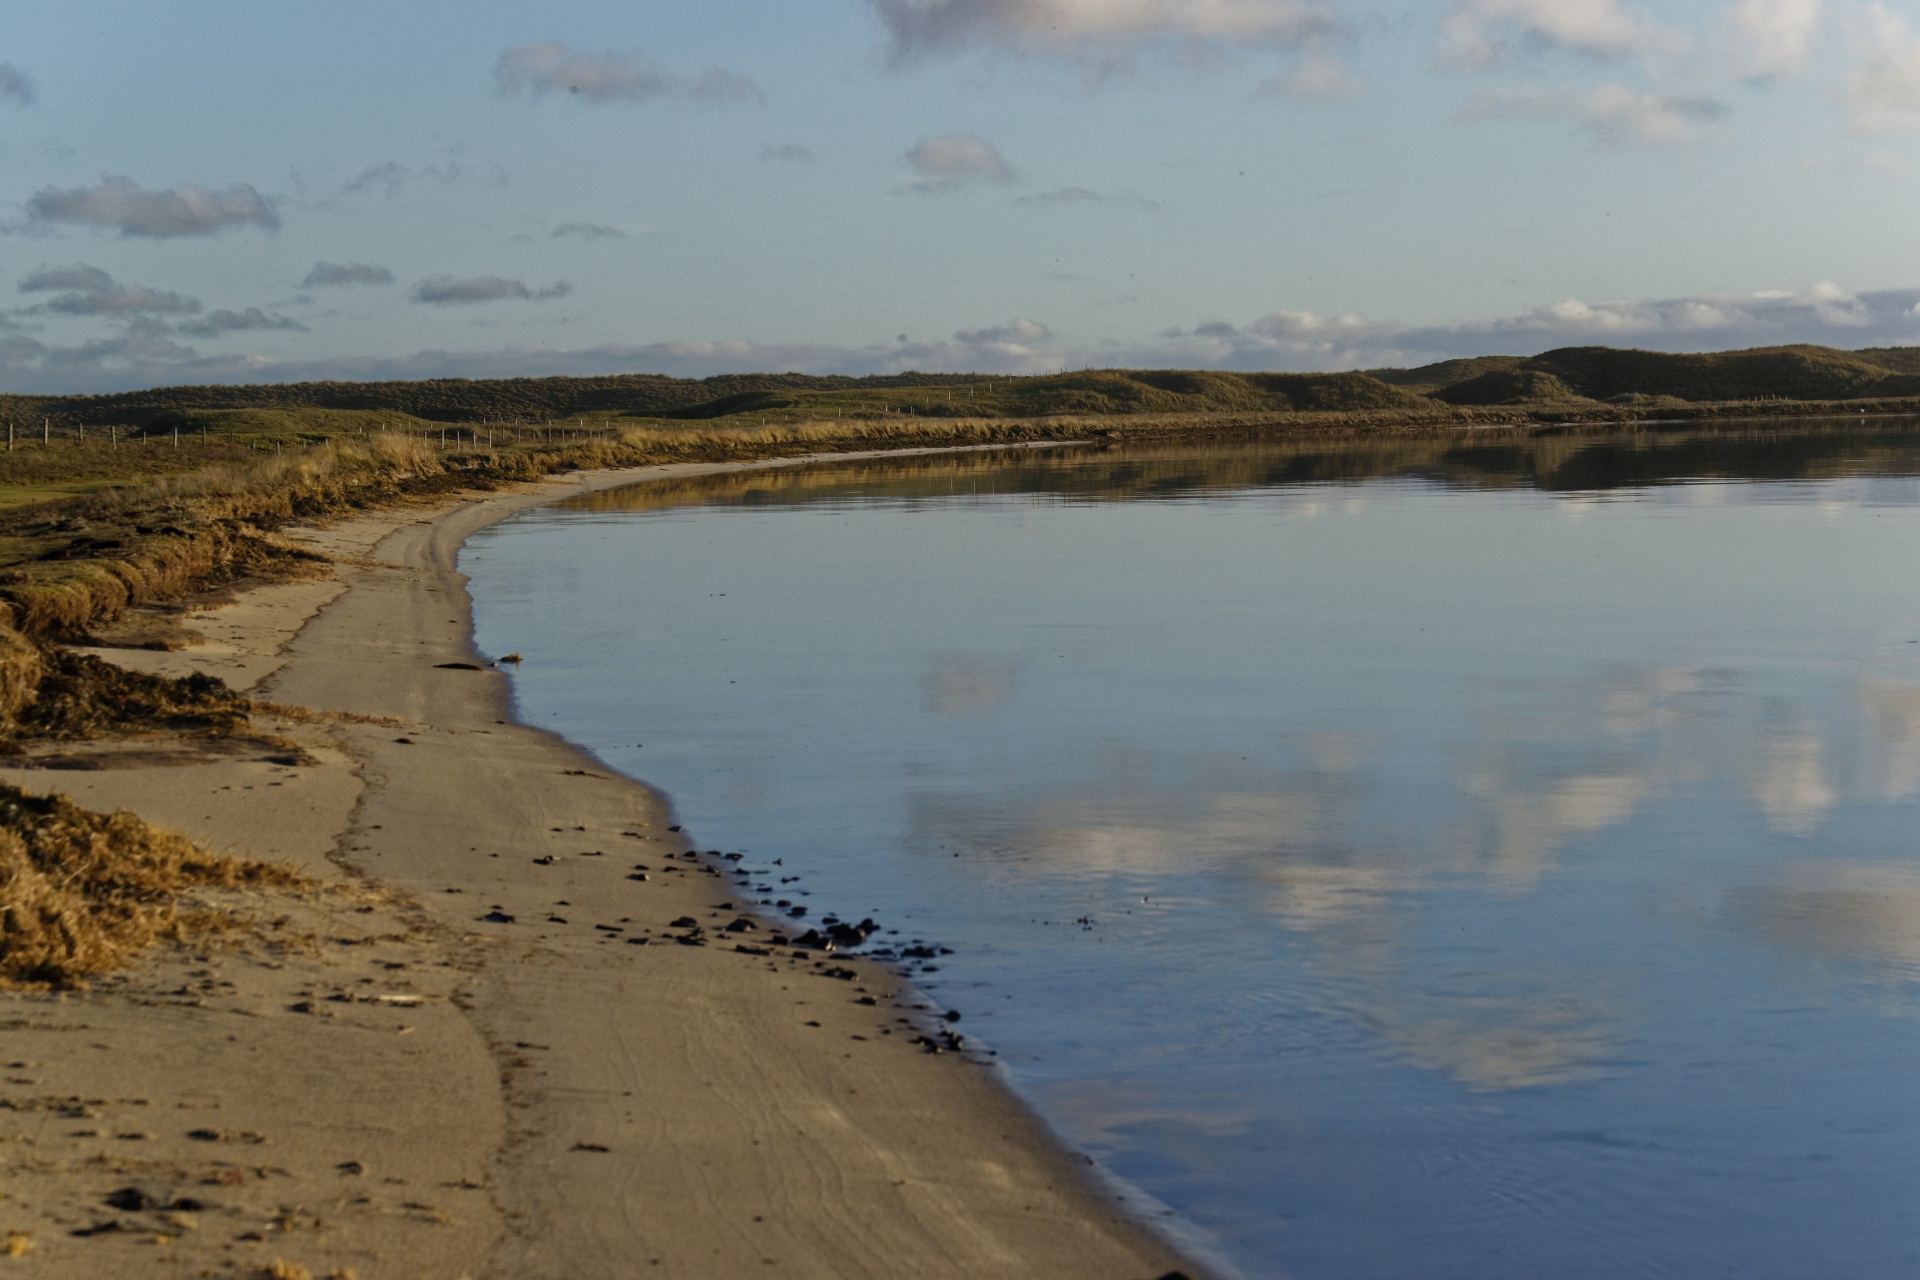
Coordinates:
474 1045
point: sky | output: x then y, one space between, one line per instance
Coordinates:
234 192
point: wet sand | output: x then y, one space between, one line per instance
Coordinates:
476 1048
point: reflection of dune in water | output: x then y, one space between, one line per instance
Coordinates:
1858 910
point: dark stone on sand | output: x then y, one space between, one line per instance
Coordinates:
545 860
497 916
132 1199
951 1015
459 666
743 925
684 922
591 1146
404 741
812 938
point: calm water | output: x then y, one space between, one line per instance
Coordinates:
1414 861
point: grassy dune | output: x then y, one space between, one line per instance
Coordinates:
1596 383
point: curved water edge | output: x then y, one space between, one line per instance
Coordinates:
1495 947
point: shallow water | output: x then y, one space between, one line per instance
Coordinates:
1419 860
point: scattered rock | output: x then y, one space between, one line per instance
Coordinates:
591 1146
497 916
459 666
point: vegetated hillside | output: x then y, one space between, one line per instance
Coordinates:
448 399
1763 373
1429 378
1559 380
291 407
1898 359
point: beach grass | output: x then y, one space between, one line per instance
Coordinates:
81 892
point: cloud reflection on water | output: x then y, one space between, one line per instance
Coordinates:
1841 909
1557 767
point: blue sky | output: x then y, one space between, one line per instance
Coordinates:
235 191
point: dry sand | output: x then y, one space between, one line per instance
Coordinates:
381 1081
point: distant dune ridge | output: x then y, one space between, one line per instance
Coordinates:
1564 380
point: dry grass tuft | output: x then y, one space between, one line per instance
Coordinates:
18 1244
81 891
80 696
281 1269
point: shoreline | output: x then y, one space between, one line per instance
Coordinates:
711 1131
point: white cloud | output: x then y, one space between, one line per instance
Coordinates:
1319 77
88 291
186 210
588 231
1884 93
216 323
1099 29
1019 346
1305 340
334 273
445 290
389 176
955 160
15 85
1768 39
1482 33
1611 114
599 78
1061 195
79 276
1285 340
1017 332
